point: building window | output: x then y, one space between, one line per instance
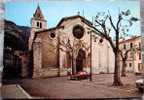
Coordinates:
139 55
139 66
125 64
124 46
52 35
131 55
37 24
130 64
131 45
78 31
139 45
40 25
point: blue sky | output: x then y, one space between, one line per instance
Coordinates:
21 12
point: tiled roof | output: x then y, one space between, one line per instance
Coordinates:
129 40
68 18
50 29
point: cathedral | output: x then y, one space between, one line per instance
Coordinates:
71 46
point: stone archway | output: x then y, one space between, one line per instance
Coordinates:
80 60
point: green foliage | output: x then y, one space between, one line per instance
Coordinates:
134 19
126 13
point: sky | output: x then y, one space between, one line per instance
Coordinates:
21 12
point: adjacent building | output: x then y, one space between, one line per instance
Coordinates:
142 26
134 55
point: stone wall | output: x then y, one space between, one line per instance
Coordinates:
49 50
37 59
25 64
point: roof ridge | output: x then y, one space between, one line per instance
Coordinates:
129 39
74 16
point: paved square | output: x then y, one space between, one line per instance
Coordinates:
100 87
13 91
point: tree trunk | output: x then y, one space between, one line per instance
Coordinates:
123 72
117 80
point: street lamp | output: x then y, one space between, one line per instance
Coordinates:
58 58
90 55
90 32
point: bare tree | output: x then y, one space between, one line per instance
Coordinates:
105 24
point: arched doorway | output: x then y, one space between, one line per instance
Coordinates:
80 60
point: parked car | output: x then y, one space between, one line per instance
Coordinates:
140 85
80 75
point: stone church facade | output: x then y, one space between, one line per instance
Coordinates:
70 47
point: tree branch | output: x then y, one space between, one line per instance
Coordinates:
119 20
125 55
112 23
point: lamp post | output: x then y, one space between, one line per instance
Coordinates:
90 32
58 58
133 56
90 55
108 59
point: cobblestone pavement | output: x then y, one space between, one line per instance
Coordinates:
100 87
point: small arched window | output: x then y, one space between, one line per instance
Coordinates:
37 24
40 25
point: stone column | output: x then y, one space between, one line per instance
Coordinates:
60 60
37 58
74 63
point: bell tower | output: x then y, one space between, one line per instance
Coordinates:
38 23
